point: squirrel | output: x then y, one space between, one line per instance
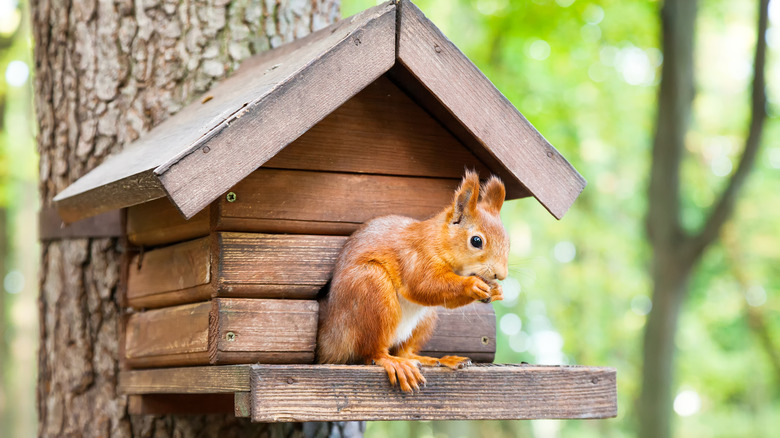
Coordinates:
394 269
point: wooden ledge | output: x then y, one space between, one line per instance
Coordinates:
293 393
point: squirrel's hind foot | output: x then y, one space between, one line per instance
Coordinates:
405 372
455 362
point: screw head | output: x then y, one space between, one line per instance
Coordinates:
231 197
485 340
230 336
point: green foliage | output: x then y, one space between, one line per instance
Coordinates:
585 74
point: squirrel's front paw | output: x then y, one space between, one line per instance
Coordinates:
496 293
477 288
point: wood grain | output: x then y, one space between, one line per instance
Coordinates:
466 331
271 331
466 93
349 392
286 226
184 266
223 331
169 336
186 380
303 88
173 298
273 262
336 197
242 404
88 196
159 222
496 392
380 131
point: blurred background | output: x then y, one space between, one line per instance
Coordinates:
586 74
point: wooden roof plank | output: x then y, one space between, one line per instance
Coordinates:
352 51
301 94
465 91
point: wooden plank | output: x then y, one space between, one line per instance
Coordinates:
466 331
51 226
380 131
181 404
466 93
269 331
242 404
88 196
286 226
173 298
325 69
285 393
275 265
337 197
297 95
187 380
183 266
159 222
169 336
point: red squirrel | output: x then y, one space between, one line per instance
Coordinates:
393 269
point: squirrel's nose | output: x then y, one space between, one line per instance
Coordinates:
500 272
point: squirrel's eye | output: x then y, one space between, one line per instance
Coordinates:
476 242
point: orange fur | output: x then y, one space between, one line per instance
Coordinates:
394 269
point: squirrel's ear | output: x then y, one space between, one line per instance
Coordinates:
466 198
493 194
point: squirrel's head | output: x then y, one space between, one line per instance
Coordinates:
478 243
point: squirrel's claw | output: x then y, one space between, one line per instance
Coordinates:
405 372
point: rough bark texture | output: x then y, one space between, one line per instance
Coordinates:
108 70
675 251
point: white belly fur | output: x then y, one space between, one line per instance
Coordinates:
411 315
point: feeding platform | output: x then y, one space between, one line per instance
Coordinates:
293 393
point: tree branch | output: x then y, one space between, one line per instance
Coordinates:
725 205
675 95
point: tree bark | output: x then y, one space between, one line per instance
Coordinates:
675 252
107 71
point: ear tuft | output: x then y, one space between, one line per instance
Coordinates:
466 198
493 194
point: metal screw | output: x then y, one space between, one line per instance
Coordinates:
231 197
230 336
436 48
549 154
485 340
290 380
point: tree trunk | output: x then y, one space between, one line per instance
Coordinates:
675 252
670 280
107 71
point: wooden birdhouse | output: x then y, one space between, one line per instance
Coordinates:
237 206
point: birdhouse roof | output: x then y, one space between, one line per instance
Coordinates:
273 98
